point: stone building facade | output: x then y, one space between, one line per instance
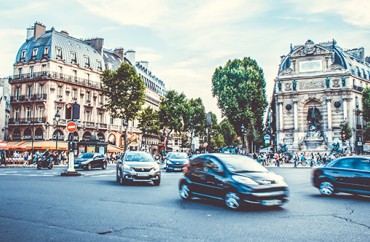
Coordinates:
52 71
318 88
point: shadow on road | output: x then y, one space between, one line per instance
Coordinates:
342 196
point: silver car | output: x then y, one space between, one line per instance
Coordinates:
137 166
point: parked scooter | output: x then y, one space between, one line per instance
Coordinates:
45 162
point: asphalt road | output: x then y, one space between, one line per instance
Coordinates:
43 206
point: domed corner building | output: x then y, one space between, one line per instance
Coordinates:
54 70
318 88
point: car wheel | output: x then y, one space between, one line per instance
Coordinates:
232 200
157 182
39 166
184 191
50 166
104 166
327 188
88 167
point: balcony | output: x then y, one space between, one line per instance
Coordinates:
114 127
102 126
26 98
358 88
55 76
89 124
27 121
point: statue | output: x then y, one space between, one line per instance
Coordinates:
343 81
327 81
313 117
294 85
279 86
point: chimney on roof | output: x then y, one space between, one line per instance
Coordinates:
96 43
130 55
29 32
119 52
64 32
38 30
145 64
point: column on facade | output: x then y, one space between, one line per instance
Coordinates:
281 115
344 109
295 108
328 106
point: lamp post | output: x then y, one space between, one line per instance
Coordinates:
124 125
144 143
56 119
243 130
32 134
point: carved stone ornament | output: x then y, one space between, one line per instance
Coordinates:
311 85
286 72
336 67
288 86
336 83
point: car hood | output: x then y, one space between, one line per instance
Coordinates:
262 178
134 164
178 160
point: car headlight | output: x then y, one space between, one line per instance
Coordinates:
169 162
244 180
127 167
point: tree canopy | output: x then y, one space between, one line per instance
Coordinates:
239 87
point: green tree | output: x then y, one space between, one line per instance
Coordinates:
366 112
239 87
228 132
149 121
171 112
217 139
194 117
346 132
124 89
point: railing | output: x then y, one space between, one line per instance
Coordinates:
27 120
31 98
358 88
102 126
114 127
89 124
57 76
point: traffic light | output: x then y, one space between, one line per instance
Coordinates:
76 111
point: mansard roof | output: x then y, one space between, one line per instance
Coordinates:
55 41
352 60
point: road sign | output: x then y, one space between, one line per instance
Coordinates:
267 141
71 126
266 137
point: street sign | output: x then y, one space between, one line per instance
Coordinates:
267 141
71 126
266 137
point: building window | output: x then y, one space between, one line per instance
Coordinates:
20 72
58 52
98 63
87 61
29 92
74 94
17 92
16 114
46 50
43 69
100 98
88 96
31 71
100 118
23 56
40 113
73 57
41 90
34 53
60 71
88 116
75 75
111 120
28 114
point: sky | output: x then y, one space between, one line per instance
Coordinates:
185 41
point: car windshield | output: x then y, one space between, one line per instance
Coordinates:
178 156
86 155
241 164
138 157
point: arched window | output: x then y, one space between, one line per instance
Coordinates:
27 134
39 134
101 137
86 136
112 139
58 134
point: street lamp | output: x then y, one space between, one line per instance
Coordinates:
124 125
243 130
56 119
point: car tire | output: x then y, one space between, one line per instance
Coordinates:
88 167
184 191
39 166
104 166
232 200
50 166
157 182
327 188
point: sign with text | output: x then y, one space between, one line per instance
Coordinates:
71 126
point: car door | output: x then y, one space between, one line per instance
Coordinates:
343 172
196 175
214 178
362 174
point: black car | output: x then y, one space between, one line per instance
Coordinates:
137 166
88 161
236 179
347 174
175 161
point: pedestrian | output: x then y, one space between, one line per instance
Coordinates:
25 158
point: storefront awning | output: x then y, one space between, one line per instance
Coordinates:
48 144
114 149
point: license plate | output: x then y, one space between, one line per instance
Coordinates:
274 202
142 174
178 169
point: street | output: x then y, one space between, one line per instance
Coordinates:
40 205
